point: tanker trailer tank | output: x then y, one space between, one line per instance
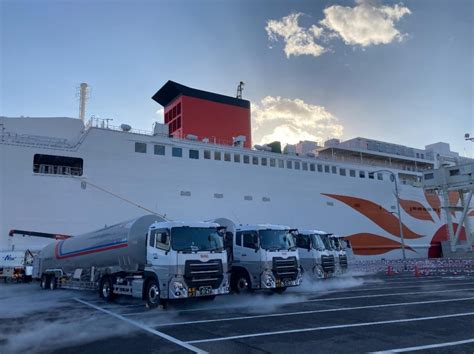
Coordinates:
147 258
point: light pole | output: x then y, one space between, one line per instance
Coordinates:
402 239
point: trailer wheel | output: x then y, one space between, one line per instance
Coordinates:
106 289
44 281
52 282
152 295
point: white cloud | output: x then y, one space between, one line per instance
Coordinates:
292 120
367 23
298 40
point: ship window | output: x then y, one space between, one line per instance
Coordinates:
422 156
246 159
289 164
58 165
194 154
352 173
333 169
265 199
248 197
185 193
207 154
236 157
272 162
178 108
361 174
264 161
226 156
159 149
177 152
305 166
254 160
238 239
297 165
326 168
312 167
371 175
218 195
281 163
320 168
140 147
342 171
217 155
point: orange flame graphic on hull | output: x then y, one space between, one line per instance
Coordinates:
433 201
377 214
366 244
416 210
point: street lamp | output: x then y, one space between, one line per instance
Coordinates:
394 179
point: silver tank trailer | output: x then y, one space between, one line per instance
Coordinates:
121 247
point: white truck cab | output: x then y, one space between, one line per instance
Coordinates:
263 256
338 246
316 260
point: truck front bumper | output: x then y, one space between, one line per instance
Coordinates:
269 281
178 289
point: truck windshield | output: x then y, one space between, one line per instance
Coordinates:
194 239
326 241
318 243
274 240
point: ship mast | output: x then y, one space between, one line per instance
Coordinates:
83 96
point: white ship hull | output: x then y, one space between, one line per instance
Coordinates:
184 188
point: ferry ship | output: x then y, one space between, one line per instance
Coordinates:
65 176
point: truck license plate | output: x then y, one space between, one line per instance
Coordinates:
205 290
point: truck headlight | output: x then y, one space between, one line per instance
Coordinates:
268 279
318 272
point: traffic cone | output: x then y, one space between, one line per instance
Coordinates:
417 271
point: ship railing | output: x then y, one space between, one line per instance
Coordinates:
36 140
57 170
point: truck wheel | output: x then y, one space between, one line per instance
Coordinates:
279 290
106 289
241 283
152 294
52 282
44 281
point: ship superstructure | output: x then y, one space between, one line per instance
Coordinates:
61 176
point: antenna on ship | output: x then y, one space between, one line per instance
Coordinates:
240 88
83 97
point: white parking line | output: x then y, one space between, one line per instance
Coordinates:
301 330
373 289
145 328
423 347
305 300
309 312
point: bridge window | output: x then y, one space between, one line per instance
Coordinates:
305 166
58 165
342 171
281 164
246 159
320 168
254 160
352 173
333 169
177 152
140 147
217 155
297 165
362 174
236 157
227 156
272 162
159 149
264 161
326 168
312 167
194 154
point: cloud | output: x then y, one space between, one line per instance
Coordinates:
298 40
291 120
368 23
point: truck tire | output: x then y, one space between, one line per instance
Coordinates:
240 282
106 289
52 283
44 281
152 294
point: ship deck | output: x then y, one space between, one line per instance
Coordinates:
357 314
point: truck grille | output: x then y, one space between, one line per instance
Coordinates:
285 268
328 263
343 261
197 273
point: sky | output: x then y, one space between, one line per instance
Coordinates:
313 70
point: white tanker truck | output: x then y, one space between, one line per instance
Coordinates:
261 256
316 260
147 258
